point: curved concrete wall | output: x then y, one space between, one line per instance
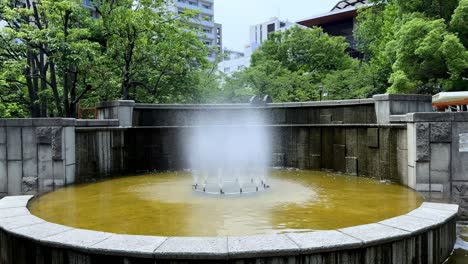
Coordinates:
425 235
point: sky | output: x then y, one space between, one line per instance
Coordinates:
238 15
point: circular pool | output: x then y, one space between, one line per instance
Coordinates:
164 204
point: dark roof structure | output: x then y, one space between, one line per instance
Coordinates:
347 3
340 21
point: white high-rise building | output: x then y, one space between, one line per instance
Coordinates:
258 34
211 34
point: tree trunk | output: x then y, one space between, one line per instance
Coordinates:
43 72
73 76
32 89
53 82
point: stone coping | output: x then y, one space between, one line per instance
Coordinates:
115 103
97 123
430 117
402 97
402 126
16 219
249 106
37 122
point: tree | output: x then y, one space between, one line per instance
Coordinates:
43 42
413 46
305 50
459 22
290 65
425 53
54 54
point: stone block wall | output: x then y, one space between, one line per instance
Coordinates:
436 163
357 150
36 155
99 153
332 112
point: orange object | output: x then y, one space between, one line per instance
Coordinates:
85 112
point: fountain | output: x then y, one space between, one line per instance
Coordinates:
231 158
205 196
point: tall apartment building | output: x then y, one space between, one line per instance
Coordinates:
258 34
211 34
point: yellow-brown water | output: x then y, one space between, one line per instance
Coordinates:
164 204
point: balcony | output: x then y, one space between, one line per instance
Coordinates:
205 35
199 8
202 22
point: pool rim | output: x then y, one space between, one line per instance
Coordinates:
17 220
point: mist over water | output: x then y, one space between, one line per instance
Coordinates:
230 154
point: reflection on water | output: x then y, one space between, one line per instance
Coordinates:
164 204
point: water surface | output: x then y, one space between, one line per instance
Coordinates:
164 204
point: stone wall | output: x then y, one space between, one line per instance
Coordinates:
370 137
99 153
376 151
436 163
328 112
36 155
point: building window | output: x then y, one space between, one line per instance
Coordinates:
218 40
282 24
227 69
271 28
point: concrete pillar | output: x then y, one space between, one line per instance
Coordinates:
3 163
121 110
70 156
387 105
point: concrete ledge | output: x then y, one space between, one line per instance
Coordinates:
16 223
437 117
115 103
402 97
37 122
97 123
249 106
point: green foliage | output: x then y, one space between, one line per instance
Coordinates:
424 53
459 22
414 46
302 50
54 55
290 66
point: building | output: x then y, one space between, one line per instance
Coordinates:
259 33
211 34
340 21
236 61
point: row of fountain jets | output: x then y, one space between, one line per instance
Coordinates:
230 159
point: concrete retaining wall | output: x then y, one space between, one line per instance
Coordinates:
371 137
36 155
328 112
425 235
100 153
436 161
376 151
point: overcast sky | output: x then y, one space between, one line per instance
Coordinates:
238 15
